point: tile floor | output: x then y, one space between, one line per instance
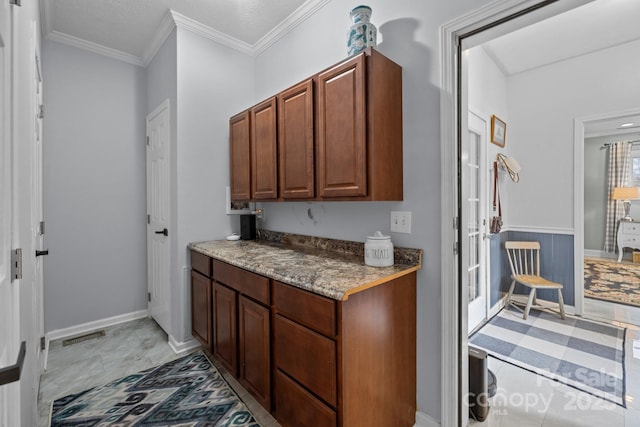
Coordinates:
525 399
126 348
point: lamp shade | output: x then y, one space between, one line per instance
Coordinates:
625 193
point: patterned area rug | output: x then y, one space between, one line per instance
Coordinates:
188 391
585 355
612 281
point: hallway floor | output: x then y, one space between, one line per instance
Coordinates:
126 348
526 399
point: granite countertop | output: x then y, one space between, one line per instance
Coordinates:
328 267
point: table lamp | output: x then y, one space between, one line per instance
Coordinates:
626 194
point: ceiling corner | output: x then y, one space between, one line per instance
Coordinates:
164 30
196 27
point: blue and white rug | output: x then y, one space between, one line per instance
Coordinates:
188 391
588 356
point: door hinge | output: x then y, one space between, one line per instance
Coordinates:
147 139
149 296
16 264
42 228
43 344
455 223
41 112
456 248
148 219
15 2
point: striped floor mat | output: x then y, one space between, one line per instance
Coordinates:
586 355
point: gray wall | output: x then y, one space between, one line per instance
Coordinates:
213 83
94 187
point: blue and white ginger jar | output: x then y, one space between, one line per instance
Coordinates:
362 34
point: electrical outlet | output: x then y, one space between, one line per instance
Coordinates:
400 222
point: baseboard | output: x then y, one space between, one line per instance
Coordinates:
182 346
600 254
425 420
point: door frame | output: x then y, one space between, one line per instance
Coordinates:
483 23
578 198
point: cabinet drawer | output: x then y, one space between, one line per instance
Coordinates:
314 311
630 228
306 356
201 263
297 407
630 241
250 284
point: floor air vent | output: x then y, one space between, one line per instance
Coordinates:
81 338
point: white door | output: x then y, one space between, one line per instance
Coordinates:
158 215
477 224
9 292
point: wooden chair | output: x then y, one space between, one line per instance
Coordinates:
524 259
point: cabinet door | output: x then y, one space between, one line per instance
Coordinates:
264 155
342 135
201 314
240 149
254 350
295 141
224 327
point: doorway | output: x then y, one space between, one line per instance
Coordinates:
158 215
476 28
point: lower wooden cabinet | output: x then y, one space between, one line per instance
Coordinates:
312 360
297 407
201 310
225 338
254 349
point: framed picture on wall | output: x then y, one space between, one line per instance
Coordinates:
498 131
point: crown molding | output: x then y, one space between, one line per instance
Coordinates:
173 19
95 48
196 27
164 30
298 16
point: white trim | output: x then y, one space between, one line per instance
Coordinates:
425 420
298 16
92 326
182 346
164 30
599 254
539 229
94 47
210 33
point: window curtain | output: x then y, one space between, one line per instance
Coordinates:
619 163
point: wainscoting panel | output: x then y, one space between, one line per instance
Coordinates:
556 264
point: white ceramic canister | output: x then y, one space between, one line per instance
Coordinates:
378 250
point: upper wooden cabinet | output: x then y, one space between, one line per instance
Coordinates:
359 136
240 149
264 154
296 141
342 130
339 136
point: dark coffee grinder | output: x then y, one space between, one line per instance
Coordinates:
248 227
